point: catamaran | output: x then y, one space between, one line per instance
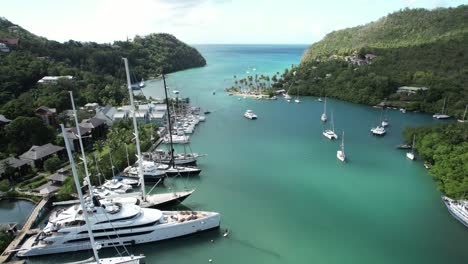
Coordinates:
410 155
340 154
378 131
463 120
441 115
330 133
324 115
250 115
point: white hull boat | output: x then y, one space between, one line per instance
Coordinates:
115 225
250 115
458 209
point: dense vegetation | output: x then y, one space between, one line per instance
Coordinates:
413 47
5 240
446 147
97 68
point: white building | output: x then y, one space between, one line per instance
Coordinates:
53 79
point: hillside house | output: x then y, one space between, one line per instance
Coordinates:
48 115
36 155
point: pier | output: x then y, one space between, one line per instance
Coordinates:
7 254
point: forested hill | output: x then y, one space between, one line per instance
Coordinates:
97 68
410 27
411 47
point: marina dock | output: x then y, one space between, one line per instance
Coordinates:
7 254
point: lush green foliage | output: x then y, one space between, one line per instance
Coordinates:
405 28
97 68
22 133
52 164
4 185
446 147
413 47
5 240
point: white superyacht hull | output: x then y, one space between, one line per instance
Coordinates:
130 236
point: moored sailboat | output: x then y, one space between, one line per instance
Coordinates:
410 155
330 133
442 115
340 154
463 120
324 114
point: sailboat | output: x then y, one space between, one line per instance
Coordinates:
380 129
463 120
330 133
46 242
153 200
297 97
171 169
410 155
385 122
340 154
115 224
441 115
324 115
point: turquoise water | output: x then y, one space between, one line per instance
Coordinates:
15 211
280 189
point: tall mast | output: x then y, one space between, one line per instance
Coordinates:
83 155
412 146
342 143
169 122
332 123
443 106
464 114
80 194
135 126
325 106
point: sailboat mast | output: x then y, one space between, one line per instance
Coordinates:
332 123
443 106
412 146
325 106
135 126
83 155
80 194
464 114
169 122
342 142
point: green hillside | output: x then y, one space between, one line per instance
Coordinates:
97 68
413 47
410 27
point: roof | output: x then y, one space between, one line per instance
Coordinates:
10 41
47 188
92 123
141 114
107 110
46 109
412 89
157 115
13 162
91 105
126 108
72 132
57 177
39 152
160 107
3 119
146 107
120 114
46 79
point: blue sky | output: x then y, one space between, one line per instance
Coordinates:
202 21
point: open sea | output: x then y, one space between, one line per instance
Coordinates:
282 192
